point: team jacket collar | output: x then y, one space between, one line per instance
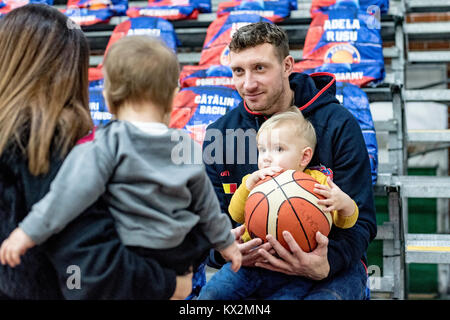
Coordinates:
317 89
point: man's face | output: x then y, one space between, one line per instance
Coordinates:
261 79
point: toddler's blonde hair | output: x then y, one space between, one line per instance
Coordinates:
303 129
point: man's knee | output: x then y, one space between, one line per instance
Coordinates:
348 285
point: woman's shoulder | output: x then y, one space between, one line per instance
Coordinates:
35 278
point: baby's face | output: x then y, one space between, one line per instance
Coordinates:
280 147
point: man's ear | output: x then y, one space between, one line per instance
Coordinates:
306 157
288 64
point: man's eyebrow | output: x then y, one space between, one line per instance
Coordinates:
260 62
252 64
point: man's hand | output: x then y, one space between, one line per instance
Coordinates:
250 254
313 265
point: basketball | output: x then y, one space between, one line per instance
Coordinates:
286 201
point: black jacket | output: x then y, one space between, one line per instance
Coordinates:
90 242
340 147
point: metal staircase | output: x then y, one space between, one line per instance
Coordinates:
406 247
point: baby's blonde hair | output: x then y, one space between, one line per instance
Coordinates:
140 69
303 129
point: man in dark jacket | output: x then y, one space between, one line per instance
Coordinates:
262 72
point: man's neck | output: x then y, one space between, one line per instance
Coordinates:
288 102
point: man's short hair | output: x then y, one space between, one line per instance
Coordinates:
301 127
139 69
259 33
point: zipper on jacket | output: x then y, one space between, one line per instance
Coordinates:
259 120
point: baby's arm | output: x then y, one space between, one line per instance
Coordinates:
15 246
214 224
79 183
261 174
237 203
337 200
233 254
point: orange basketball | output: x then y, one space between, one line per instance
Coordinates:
286 201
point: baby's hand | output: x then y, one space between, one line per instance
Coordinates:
232 253
260 175
336 199
15 246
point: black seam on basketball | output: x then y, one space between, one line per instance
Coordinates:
267 219
306 179
294 180
302 179
285 183
301 224
323 213
291 181
255 207
318 209
279 186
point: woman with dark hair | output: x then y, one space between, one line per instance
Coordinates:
43 113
